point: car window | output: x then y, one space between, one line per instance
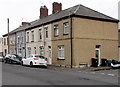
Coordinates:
37 56
14 56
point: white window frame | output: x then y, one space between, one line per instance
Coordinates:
56 30
29 50
60 51
66 28
35 50
40 34
41 50
32 33
27 36
46 32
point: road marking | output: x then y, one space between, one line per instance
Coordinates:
111 74
86 72
102 73
79 71
92 72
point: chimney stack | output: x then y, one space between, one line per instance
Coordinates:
24 23
43 11
57 7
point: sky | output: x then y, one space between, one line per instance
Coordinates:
28 10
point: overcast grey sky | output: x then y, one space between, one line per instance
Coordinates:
28 10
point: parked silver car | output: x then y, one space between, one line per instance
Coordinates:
12 58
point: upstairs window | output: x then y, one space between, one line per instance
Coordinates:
27 36
46 32
32 36
4 41
40 34
66 28
56 31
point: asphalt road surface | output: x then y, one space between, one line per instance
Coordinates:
21 75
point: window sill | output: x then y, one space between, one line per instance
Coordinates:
32 41
56 35
40 41
65 34
60 59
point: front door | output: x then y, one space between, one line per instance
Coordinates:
97 53
49 55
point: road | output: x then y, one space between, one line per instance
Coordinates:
21 75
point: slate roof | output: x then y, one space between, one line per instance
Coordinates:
78 10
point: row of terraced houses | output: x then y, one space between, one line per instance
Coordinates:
66 37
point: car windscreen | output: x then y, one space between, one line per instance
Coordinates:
17 56
37 56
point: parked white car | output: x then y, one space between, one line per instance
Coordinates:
34 60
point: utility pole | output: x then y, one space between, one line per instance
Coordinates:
8 36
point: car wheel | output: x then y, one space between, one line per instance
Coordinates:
5 61
22 63
10 61
31 64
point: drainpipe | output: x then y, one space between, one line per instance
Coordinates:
25 43
71 40
8 37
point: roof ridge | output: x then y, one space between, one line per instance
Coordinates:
77 9
98 12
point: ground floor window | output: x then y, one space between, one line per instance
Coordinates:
41 50
49 51
29 50
61 52
35 50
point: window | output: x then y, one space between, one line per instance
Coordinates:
27 36
32 36
56 31
60 52
35 50
41 51
46 32
66 28
29 50
4 41
20 51
22 39
18 39
40 34
49 51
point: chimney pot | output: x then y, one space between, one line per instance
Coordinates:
57 7
43 11
24 23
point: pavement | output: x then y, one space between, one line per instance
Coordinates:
53 67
